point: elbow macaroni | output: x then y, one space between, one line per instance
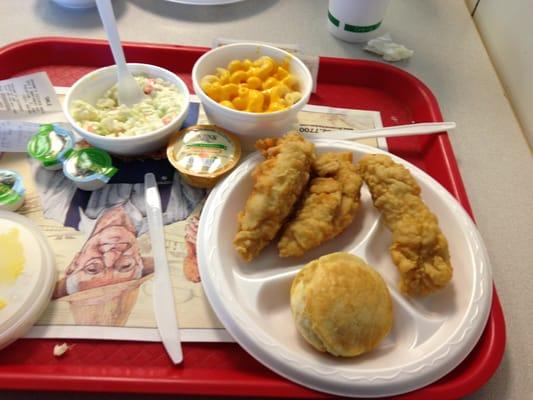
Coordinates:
256 86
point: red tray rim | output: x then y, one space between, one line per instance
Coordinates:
478 375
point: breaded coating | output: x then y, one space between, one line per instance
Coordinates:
278 183
419 249
328 207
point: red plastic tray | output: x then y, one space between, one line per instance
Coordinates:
226 369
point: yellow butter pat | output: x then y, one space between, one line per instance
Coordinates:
11 256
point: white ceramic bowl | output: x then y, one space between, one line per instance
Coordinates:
250 126
92 86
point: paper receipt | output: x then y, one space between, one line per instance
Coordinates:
27 96
14 135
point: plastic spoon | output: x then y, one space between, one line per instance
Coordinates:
129 92
391 131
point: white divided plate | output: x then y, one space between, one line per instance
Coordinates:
430 336
28 295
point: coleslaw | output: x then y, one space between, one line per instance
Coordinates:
109 118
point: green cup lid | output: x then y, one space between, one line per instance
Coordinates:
84 165
11 188
51 144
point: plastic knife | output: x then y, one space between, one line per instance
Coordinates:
164 308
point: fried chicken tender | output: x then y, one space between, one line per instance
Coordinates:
278 183
328 207
419 249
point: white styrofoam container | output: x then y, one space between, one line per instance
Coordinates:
28 296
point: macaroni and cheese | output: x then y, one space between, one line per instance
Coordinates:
256 86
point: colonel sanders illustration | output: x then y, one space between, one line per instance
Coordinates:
190 262
102 281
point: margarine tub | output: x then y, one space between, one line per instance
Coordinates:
203 154
27 275
12 190
51 146
89 168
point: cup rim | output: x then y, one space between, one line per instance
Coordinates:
182 86
247 114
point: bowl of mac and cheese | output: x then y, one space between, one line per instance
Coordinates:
252 90
92 108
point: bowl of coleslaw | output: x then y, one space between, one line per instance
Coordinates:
92 108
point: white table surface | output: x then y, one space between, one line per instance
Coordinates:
493 156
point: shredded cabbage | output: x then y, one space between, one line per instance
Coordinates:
107 118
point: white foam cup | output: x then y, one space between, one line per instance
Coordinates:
356 20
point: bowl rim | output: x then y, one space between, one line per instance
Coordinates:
83 132
237 113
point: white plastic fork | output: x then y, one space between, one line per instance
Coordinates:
391 131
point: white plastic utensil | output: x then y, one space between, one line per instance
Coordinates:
391 131
164 307
129 92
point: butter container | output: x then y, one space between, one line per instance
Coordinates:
51 145
27 275
12 190
89 168
202 154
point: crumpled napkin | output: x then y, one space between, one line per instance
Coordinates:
390 51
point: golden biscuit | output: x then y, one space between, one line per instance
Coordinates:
341 305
